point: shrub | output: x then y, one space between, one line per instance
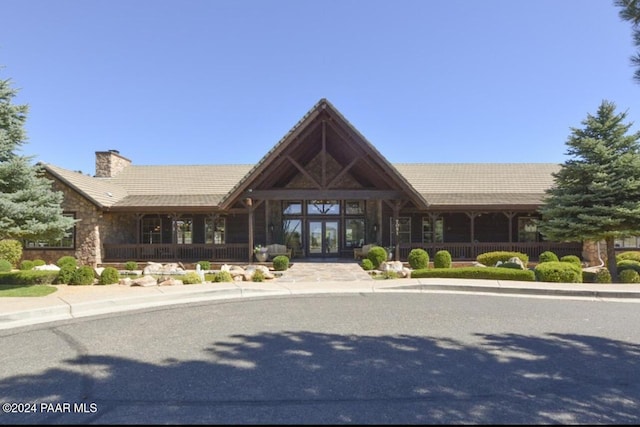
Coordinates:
603 276
109 276
64 275
67 260
628 264
548 256
5 265
490 259
632 255
557 271
26 265
205 265
38 262
573 259
130 265
83 276
258 276
377 255
442 259
11 250
281 263
629 276
191 278
223 276
488 273
418 258
28 277
367 265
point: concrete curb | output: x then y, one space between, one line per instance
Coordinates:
70 307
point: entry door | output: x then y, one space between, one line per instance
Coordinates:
323 238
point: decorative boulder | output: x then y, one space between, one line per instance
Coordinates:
395 266
145 281
170 282
50 267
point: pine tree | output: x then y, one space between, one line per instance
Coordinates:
596 195
630 11
29 208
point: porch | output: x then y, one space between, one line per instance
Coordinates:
241 251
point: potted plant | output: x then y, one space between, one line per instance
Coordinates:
261 253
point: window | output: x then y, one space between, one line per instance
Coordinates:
627 242
354 207
323 207
404 230
292 208
67 241
527 230
354 233
183 230
151 230
293 234
432 231
214 230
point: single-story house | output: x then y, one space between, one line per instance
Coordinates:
323 190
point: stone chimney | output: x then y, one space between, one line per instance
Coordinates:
110 163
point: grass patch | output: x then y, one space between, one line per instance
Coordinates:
26 290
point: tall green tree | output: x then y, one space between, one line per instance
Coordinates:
29 208
630 11
596 194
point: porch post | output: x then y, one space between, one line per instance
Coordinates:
396 223
379 219
249 204
510 215
472 218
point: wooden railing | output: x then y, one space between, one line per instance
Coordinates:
240 251
470 251
174 252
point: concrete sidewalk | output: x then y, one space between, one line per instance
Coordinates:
70 302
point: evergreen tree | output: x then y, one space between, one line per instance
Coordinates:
29 208
596 195
630 11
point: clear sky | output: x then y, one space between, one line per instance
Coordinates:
222 81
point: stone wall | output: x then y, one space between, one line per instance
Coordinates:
590 252
87 231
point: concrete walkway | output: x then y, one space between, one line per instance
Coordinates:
69 302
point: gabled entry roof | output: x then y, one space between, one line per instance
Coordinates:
322 157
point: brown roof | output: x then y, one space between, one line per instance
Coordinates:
440 184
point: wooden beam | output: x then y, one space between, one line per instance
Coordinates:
304 172
324 155
309 194
342 172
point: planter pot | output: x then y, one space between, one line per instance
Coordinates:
261 256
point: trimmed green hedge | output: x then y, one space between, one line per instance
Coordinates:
45 277
628 264
442 259
558 271
418 259
632 255
491 273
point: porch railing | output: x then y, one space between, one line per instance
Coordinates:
470 251
174 252
240 251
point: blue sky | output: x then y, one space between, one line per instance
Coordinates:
222 81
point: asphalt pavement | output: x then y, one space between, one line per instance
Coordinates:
70 302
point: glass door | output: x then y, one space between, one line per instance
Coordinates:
323 238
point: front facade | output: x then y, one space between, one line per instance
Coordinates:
323 190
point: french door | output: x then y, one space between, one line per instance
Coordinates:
323 238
